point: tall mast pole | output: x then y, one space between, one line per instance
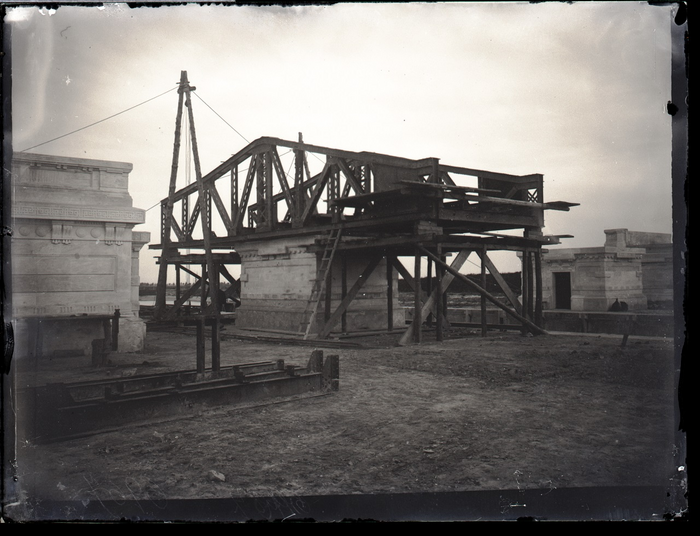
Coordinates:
204 213
167 210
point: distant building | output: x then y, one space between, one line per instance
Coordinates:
632 267
74 253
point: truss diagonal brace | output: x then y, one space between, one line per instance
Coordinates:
221 208
282 178
350 176
316 194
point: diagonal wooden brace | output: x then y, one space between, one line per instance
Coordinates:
534 328
335 317
429 304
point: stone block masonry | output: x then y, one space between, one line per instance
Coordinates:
74 252
277 278
633 267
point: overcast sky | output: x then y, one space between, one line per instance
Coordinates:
575 92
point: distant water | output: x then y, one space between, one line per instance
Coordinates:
147 301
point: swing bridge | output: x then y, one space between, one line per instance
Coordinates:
373 209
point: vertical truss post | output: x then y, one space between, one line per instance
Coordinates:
167 213
234 199
334 193
299 197
435 174
261 204
204 289
270 206
186 216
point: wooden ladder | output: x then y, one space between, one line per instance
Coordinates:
309 316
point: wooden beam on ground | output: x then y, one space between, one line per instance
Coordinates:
447 279
533 328
333 320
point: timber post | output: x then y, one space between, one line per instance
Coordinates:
417 317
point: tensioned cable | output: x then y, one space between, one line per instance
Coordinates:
224 120
217 114
100 121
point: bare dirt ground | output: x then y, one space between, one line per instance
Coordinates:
468 414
